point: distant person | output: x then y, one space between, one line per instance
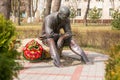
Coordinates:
53 38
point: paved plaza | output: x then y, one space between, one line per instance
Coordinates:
72 69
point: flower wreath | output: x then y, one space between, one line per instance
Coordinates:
33 51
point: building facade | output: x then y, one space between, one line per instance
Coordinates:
105 6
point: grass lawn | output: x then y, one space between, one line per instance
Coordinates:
77 26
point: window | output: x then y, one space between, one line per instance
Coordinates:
78 0
110 11
66 0
100 11
89 11
85 0
99 0
111 0
78 12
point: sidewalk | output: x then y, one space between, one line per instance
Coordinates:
73 70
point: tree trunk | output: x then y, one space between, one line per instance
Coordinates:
34 6
19 12
86 13
5 8
34 9
29 8
13 9
48 7
56 5
28 11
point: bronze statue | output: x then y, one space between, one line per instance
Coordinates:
55 40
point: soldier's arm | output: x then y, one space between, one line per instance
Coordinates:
68 34
48 26
67 30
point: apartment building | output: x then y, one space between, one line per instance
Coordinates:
105 7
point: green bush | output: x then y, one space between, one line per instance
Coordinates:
94 14
8 66
116 20
113 64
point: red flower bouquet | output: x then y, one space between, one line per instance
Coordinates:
33 50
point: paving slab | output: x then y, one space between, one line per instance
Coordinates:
45 70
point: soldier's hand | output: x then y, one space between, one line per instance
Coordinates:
60 42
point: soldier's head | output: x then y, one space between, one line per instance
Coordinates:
64 12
